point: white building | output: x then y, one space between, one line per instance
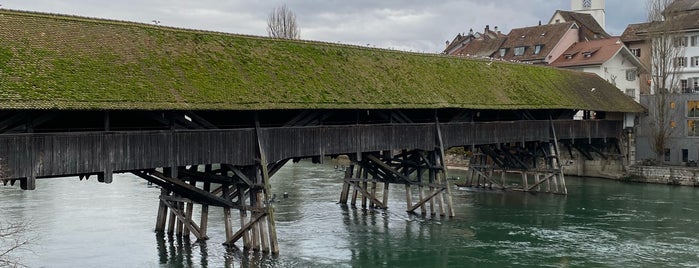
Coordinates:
609 59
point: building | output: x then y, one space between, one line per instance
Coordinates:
477 44
683 145
634 38
595 8
590 29
609 59
540 44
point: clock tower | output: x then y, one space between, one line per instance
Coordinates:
592 7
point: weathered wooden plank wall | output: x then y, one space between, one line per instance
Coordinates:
58 154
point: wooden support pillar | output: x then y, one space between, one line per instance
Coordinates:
373 193
432 173
244 218
349 172
162 212
205 212
385 194
28 183
271 225
189 210
502 179
408 197
525 180
227 213
179 225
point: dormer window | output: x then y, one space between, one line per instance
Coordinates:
519 51
537 49
503 51
568 56
587 54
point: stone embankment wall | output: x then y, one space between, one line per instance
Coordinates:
610 168
671 175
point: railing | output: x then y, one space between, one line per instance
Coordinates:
60 154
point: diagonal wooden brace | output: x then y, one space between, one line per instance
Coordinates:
357 187
424 200
540 182
192 226
244 229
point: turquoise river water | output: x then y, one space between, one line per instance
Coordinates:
600 223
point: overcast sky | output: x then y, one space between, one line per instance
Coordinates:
415 25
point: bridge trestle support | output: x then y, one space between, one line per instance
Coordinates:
418 170
236 190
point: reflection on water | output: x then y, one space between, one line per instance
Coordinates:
600 223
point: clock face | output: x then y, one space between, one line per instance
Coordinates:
587 3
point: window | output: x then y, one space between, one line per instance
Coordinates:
693 108
537 49
630 75
685 155
587 3
631 92
680 41
695 61
695 40
680 62
692 83
503 51
692 129
667 155
684 85
519 51
636 52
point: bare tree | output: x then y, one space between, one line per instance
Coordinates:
12 238
665 49
282 23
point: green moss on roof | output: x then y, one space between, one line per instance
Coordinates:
63 62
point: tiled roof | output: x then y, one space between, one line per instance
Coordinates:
589 53
547 35
482 47
687 20
71 63
682 6
585 21
634 32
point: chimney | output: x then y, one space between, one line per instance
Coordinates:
487 28
470 32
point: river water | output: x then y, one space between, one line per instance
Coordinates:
600 223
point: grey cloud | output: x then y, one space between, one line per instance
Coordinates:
406 24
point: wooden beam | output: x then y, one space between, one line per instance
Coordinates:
239 173
206 177
546 178
428 198
267 183
192 226
244 229
386 167
366 194
184 189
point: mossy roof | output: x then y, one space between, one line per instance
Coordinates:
50 61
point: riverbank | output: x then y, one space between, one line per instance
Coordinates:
612 169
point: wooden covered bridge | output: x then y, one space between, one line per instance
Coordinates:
210 117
